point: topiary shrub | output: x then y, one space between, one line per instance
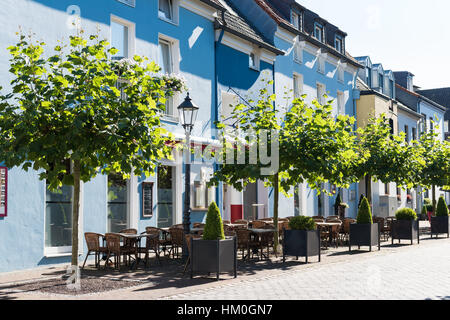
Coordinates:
364 213
428 203
302 223
406 214
442 210
213 226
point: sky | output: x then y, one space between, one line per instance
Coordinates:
402 35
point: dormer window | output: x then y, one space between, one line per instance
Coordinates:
253 61
297 20
319 32
381 82
339 44
165 10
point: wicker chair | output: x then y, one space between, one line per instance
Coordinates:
380 222
198 225
266 240
128 242
151 244
116 250
345 230
226 222
335 233
229 231
258 224
241 221
176 240
164 238
93 245
245 242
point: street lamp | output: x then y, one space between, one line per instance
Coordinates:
188 114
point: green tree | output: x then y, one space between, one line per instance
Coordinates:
314 147
76 104
214 225
388 158
436 169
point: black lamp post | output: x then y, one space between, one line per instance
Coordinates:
188 114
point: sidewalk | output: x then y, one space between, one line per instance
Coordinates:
168 281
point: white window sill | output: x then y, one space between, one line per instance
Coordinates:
254 68
59 255
171 119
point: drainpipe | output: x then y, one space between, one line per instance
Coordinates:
216 113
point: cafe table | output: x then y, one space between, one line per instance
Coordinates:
137 239
258 233
330 226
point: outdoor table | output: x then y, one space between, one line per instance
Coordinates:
197 230
137 239
329 225
258 233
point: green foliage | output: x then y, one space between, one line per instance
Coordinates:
213 226
428 204
442 209
77 104
302 223
424 210
388 157
364 213
406 214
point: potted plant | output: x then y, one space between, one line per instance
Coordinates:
214 252
428 204
406 226
441 222
302 239
424 214
364 232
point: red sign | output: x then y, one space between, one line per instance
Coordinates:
3 192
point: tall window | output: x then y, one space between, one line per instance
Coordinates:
407 134
318 32
391 88
413 134
381 82
320 93
340 103
339 44
369 77
166 64
298 85
165 9
297 20
253 61
298 53
431 124
340 73
58 215
119 39
321 63
117 203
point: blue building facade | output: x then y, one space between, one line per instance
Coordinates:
178 35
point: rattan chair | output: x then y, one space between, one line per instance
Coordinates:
241 221
113 244
164 238
226 222
245 242
267 240
93 245
258 224
345 230
151 244
198 225
176 240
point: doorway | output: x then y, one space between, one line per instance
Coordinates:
166 200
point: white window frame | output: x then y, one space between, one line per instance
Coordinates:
295 20
52 252
130 216
131 3
174 47
340 101
256 60
131 33
321 90
175 12
297 83
298 51
321 61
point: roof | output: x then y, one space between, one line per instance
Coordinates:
283 22
411 99
236 24
214 3
441 96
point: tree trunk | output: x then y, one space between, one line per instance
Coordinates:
369 189
275 211
434 198
75 211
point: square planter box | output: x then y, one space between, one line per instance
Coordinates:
214 256
300 243
405 230
367 235
440 225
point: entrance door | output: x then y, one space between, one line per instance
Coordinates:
165 197
250 198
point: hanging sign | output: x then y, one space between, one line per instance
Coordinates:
3 192
147 199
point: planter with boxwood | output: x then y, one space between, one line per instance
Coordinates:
302 239
406 226
364 232
340 207
214 253
441 222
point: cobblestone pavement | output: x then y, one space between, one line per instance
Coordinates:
412 273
